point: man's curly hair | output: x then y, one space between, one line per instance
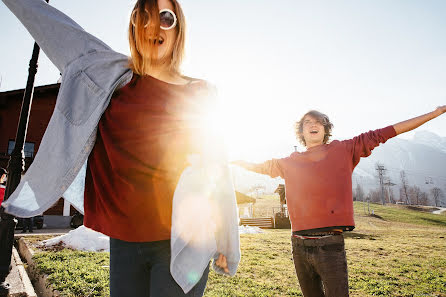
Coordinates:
319 116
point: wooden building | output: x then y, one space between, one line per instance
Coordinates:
44 101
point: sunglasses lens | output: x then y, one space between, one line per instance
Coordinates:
167 19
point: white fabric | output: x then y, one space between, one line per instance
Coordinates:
204 221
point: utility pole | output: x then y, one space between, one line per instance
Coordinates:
389 184
381 169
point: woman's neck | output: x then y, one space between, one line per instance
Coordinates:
168 76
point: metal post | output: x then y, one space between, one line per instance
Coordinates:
15 167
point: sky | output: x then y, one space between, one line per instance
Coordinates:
366 64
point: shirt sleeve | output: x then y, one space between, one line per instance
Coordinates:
362 145
273 168
62 39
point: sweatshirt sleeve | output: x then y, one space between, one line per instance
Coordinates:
62 39
273 168
362 145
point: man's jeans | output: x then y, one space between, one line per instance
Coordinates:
142 269
321 265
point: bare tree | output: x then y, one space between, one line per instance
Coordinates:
415 195
438 195
404 187
375 196
424 198
391 196
359 193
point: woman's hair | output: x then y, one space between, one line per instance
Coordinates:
143 50
320 117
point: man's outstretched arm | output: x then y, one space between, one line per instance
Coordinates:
271 167
413 123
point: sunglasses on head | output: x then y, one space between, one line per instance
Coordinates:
168 19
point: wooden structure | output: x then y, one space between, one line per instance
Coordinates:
264 223
245 205
44 101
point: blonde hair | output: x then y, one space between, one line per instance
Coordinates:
143 52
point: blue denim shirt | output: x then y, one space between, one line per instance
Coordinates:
91 72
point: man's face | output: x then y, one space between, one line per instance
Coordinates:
313 131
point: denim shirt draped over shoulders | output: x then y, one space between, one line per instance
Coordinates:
91 71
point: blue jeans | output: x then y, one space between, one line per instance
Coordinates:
143 269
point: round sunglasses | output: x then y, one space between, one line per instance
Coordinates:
168 19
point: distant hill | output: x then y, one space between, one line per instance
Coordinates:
423 159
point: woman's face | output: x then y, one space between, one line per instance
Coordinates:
167 37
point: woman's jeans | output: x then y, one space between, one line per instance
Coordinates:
321 266
143 269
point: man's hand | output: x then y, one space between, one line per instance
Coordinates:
441 109
222 263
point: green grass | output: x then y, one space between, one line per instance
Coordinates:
402 214
75 273
399 252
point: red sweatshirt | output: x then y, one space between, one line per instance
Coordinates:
319 181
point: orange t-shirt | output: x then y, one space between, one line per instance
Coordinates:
140 152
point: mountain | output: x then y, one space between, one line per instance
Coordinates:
430 139
422 158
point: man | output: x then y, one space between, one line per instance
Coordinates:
319 197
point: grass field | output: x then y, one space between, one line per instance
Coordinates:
397 252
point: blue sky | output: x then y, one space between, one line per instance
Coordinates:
367 64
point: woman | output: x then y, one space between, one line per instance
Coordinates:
136 128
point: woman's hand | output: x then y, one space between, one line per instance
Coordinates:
222 263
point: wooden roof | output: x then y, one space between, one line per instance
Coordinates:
242 198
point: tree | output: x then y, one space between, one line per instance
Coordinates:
438 195
359 193
375 196
404 187
415 195
391 195
424 198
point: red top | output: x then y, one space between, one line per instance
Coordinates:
140 152
2 193
319 181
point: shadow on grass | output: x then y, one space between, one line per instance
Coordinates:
422 209
435 222
376 216
356 235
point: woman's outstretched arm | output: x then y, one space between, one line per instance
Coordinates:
413 123
61 38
